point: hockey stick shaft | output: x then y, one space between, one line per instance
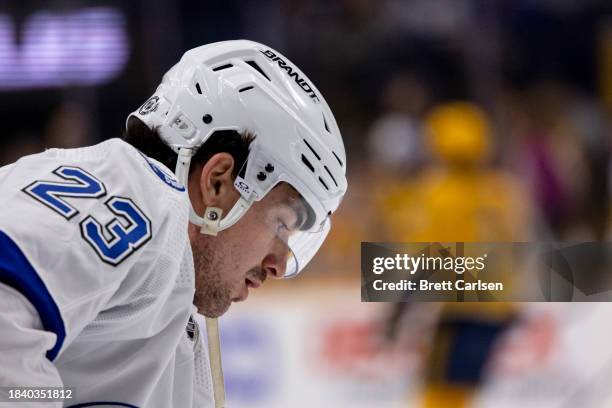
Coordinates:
214 352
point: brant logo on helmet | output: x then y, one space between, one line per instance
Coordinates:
271 55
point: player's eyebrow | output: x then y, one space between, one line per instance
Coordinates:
299 207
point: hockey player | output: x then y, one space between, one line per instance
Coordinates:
104 251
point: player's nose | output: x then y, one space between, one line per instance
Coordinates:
275 263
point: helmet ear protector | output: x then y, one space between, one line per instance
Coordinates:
246 86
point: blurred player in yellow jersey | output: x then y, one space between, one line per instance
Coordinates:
459 198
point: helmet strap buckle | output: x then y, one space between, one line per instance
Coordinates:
211 221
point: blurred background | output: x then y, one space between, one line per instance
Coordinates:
464 120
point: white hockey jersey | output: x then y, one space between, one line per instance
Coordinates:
97 280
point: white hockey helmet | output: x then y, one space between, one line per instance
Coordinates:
246 86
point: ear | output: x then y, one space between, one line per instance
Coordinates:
216 182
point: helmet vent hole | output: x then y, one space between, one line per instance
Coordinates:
246 88
337 158
221 67
312 150
322 182
325 124
198 88
257 68
330 175
307 163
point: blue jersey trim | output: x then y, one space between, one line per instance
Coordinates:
17 272
168 179
99 403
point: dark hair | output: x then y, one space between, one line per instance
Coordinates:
151 144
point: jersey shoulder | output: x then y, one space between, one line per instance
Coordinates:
103 191
99 228
120 162
161 172
125 163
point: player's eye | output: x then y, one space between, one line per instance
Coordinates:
282 226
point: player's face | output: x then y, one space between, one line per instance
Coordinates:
244 256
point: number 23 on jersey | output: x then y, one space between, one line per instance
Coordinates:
113 242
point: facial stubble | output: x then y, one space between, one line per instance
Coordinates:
213 294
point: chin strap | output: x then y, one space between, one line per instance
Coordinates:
212 222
